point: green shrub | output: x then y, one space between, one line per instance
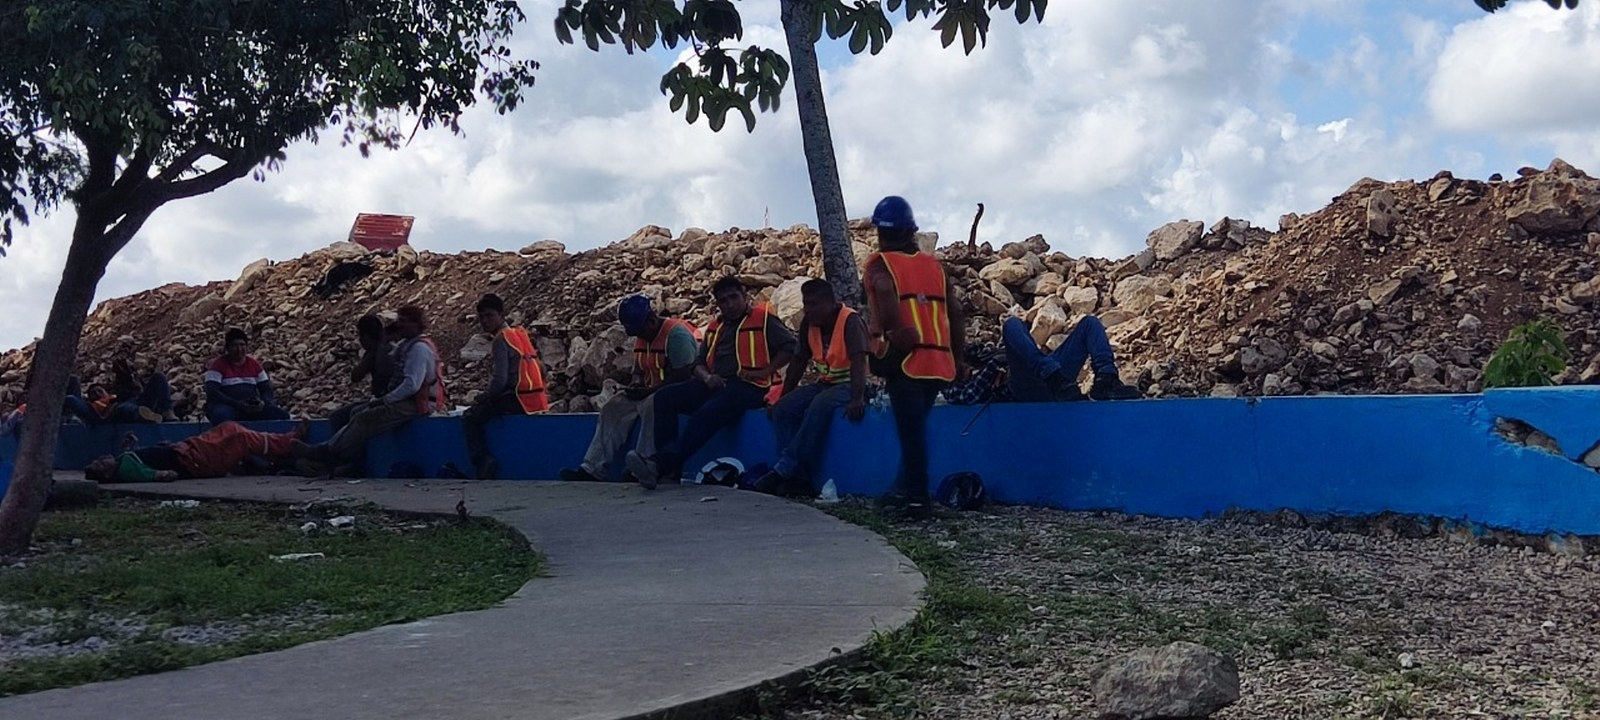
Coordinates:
1532 355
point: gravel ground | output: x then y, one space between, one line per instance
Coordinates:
1322 625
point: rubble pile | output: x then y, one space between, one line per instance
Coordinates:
1402 287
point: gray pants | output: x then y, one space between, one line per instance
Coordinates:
350 443
611 432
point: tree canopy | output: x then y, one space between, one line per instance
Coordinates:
752 78
1493 5
162 99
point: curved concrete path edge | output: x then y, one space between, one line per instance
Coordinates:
666 603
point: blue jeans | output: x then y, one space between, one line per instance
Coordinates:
1027 366
911 400
801 421
219 413
708 410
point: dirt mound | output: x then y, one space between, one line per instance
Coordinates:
1393 287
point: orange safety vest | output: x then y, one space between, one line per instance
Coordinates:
749 346
919 282
425 394
531 394
651 356
832 366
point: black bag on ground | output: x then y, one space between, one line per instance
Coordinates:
961 491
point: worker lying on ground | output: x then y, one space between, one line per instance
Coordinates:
744 349
664 352
516 383
211 454
835 346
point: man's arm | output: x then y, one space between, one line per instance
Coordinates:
364 366
782 342
682 354
214 393
499 367
902 338
412 374
958 324
797 365
264 389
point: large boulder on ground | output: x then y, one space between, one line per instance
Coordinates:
1560 201
1137 293
1174 238
1180 680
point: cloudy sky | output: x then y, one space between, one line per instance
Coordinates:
1093 128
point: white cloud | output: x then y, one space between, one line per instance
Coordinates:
1524 70
1092 128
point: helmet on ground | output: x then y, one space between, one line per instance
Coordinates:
721 471
634 311
894 212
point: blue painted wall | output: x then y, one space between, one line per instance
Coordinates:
1425 454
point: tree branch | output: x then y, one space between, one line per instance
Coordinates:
182 163
205 182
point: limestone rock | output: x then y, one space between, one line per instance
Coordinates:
1174 239
1383 218
1006 271
1081 300
1136 294
247 279
1556 204
787 302
1050 320
544 247
202 308
477 348
1180 680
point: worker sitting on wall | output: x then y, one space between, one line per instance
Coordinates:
516 383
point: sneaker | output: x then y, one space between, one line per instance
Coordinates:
1063 389
1107 386
642 468
149 415
578 474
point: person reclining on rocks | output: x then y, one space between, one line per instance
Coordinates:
743 350
836 349
516 383
374 366
237 386
1037 376
211 454
664 351
417 390
149 400
987 379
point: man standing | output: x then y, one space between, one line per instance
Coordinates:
237 387
516 383
664 352
743 350
416 391
917 315
836 348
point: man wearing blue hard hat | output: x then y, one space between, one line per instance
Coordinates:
664 352
916 320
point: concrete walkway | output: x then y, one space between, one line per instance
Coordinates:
656 600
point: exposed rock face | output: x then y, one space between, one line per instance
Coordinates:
1178 681
1328 303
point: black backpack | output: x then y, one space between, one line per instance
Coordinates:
961 491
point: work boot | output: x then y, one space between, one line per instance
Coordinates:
1063 389
1107 386
149 415
774 483
578 474
643 468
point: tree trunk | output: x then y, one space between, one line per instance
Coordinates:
53 361
838 260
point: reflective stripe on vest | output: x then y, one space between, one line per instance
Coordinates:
531 394
651 357
919 283
832 366
749 346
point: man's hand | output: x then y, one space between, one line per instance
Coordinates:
714 381
755 375
254 405
855 409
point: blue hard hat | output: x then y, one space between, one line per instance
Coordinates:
634 311
893 212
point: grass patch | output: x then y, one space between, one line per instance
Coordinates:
150 580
